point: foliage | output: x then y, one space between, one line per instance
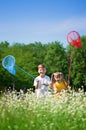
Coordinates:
78 71
56 59
53 55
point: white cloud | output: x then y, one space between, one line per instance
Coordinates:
44 31
63 26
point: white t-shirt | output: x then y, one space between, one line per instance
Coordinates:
42 90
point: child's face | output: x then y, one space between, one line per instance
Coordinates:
58 77
42 71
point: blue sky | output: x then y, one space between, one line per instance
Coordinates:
27 21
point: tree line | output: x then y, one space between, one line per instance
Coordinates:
53 55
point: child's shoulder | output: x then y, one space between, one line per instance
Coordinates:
38 77
47 78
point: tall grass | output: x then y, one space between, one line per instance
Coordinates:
19 111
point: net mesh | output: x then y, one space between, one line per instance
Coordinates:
73 38
8 63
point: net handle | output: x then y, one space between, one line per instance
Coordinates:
70 66
24 71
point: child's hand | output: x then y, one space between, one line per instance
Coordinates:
37 81
45 83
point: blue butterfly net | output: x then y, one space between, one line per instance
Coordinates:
8 63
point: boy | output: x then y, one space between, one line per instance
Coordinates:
41 82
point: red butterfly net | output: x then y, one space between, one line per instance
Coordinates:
73 39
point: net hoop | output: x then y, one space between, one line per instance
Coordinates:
8 61
73 39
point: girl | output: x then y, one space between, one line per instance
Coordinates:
58 83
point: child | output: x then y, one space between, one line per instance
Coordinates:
58 83
41 82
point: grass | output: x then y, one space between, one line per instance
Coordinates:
19 111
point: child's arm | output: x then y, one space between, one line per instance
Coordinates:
55 88
36 83
66 85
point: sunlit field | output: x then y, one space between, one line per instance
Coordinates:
19 111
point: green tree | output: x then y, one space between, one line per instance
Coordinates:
53 55
78 70
56 58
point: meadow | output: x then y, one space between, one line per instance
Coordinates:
24 111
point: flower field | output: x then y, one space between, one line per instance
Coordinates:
19 111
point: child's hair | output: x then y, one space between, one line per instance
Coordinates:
41 66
